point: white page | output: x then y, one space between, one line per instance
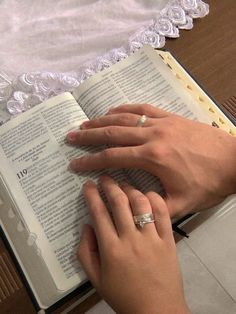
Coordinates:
141 78
34 164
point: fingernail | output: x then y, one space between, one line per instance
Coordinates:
107 179
123 184
104 177
71 136
83 125
89 183
111 109
73 165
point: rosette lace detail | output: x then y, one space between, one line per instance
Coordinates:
32 88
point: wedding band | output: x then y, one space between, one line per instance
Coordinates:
141 121
141 220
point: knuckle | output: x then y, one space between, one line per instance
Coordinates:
143 108
153 152
157 200
114 258
125 119
110 132
136 154
108 154
156 131
151 194
119 199
136 249
94 123
162 153
95 209
81 137
141 200
114 253
125 107
158 152
81 163
146 109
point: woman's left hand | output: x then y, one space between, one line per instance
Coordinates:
134 269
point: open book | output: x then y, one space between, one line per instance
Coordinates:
42 207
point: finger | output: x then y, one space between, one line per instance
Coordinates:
89 256
116 158
177 205
114 135
120 207
140 109
139 205
120 119
162 217
104 227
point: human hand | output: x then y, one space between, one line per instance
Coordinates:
194 161
134 269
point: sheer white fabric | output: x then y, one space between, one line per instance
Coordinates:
58 44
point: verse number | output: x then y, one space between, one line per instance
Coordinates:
22 173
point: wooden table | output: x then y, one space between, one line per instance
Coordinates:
209 50
209 53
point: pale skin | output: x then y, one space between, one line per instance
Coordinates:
194 161
135 270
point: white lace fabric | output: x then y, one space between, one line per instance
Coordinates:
31 88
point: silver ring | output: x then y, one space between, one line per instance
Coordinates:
141 220
141 121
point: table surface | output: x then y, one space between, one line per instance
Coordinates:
209 53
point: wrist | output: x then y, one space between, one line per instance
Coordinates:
225 166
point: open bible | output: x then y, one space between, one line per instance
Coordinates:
42 209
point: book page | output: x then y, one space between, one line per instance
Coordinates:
141 78
34 167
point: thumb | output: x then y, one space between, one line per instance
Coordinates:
89 256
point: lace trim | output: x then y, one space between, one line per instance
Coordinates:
32 88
